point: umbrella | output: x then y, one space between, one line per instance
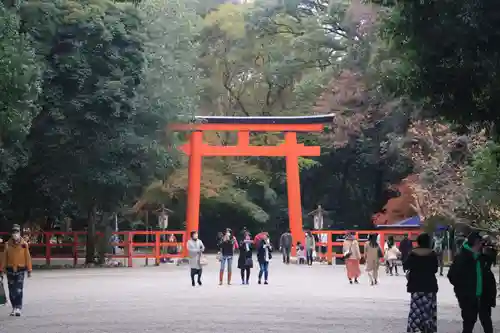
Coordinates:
259 237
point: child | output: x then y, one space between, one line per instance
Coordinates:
301 254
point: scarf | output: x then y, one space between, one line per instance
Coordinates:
479 272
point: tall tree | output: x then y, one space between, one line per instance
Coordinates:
444 55
19 87
91 144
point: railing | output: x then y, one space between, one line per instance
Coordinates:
335 240
72 245
151 244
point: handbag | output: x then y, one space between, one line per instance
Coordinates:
3 296
203 260
249 262
348 254
218 256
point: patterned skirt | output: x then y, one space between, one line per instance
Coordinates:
423 313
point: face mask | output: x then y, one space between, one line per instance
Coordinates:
228 234
16 236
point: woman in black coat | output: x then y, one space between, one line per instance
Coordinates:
422 266
245 261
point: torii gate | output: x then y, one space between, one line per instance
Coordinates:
290 149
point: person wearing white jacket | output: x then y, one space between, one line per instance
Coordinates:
392 254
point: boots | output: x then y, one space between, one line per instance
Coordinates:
229 277
221 277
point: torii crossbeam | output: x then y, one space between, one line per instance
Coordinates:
290 149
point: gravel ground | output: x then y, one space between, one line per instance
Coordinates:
161 299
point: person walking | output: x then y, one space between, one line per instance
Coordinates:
264 256
226 247
405 247
352 255
392 254
16 263
438 247
310 246
372 255
422 285
245 260
195 249
474 284
286 246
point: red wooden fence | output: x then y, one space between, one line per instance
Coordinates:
74 243
44 244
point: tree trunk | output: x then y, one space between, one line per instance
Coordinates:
91 235
103 243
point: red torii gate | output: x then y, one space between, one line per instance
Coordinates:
290 149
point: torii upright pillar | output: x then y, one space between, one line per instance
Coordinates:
290 149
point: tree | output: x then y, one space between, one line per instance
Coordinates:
444 55
19 87
482 178
91 143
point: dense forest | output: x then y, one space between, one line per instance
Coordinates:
88 88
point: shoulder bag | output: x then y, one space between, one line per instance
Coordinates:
348 254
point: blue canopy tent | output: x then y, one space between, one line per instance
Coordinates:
410 223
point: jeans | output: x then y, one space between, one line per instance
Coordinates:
229 260
286 254
309 256
472 307
264 269
15 281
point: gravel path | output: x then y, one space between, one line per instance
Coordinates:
161 299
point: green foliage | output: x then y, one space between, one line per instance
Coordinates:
83 118
484 182
484 172
445 54
92 145
170 84
19 87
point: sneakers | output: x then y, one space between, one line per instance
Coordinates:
16 313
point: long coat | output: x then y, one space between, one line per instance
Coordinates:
195 250
463 277
244 260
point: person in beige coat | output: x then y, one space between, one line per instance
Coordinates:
372 255
352 256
